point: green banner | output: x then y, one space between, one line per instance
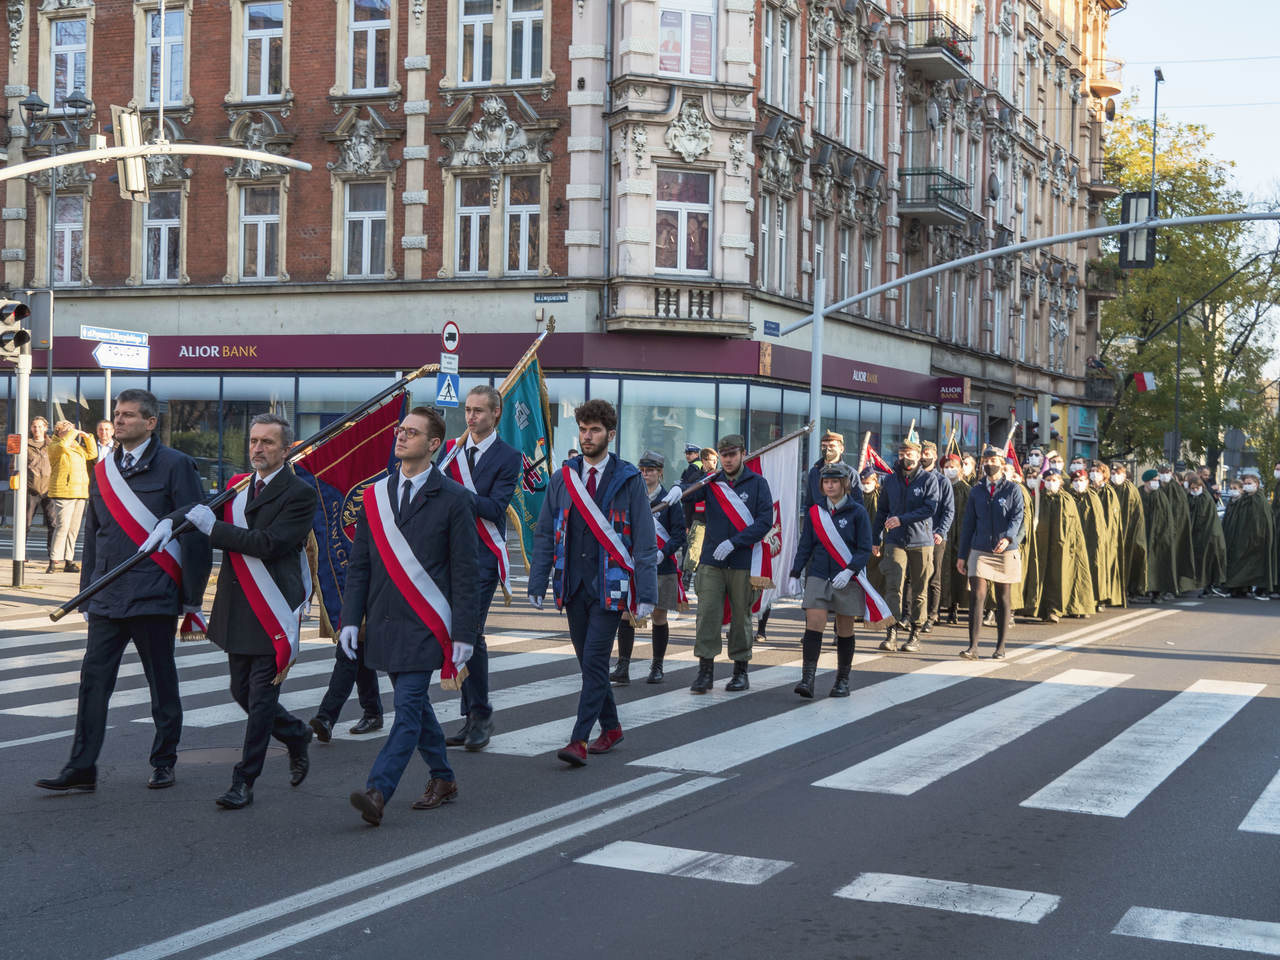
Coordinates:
525 424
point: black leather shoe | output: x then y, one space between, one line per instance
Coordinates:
738 682
459 738
161 777
366 725
478 733
70 779
300 763
237 798
71 567
621 675
655 672
323 729
706 674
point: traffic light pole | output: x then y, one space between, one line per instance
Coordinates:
20 495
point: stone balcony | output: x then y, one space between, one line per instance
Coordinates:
678 305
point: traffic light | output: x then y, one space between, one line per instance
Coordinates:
126 131
12 336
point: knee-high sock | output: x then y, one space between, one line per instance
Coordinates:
844 652
811 645
977 600
626 640
660 637
1004 600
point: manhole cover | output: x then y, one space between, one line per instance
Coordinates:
215 755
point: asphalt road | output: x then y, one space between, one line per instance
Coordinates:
1118 796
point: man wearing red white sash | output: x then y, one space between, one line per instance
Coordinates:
263 588
412 579
489 468
136 493
595 542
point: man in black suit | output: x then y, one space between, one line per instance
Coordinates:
144 480
413 579
257 622
490 469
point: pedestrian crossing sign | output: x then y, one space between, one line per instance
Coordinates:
447 389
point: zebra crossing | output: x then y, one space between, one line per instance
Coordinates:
541 680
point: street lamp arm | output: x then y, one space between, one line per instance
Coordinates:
103 154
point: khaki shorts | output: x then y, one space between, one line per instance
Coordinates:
849 601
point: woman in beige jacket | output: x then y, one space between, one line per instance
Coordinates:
70 454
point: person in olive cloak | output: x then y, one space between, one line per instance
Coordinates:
1162 549
1275 517
1066 587
1133 553
1099 483
1209 547
955 587
1026 595
1171 486
1097 537
1250 536
870 498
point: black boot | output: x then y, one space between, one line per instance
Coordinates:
890 641
807 672
844 662
655 671
621 675
841 687
706 670
912 644
738 682
953 615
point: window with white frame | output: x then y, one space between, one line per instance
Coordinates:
871 118
1026 205
766 55
781 218
365 217
524 223
1008 54
970 311
168 48
687 38
263 50
953 319
868 263
786 29
259 233
69 53
997 321
370 38
1022 332
776 50
162 237
524 41
821 87
972 175
68 239
475 39
472 234
846 239
820 258
764 246
846 105
683 234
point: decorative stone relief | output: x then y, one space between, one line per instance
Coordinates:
420 9
1042 172
53 6
17 17
262 134
1075 92
362 152
166 168
823 203
689 134
737 153
781 160
496 139
76 176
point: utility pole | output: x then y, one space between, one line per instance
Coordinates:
23 388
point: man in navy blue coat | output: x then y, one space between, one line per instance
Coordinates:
495 467
832 452
143 606
435 518
905 516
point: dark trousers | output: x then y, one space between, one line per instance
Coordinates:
415 728
251 686
592 628
348 673
152 637
38 501
475 689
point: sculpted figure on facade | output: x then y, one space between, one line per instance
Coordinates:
689 134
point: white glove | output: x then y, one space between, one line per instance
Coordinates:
673 495
461 653
348 640
535 602
722 551
643 610
202 517
158 538
841 579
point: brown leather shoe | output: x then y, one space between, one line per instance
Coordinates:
438 792
370 804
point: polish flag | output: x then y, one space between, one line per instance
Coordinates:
1144 381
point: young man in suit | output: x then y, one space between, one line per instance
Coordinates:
413 577
262 538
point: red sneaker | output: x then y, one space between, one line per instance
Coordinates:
605 742
575 754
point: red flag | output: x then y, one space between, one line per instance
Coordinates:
876 461
1144 381
1011 453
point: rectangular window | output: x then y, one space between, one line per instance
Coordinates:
1026 205
846 236
69 55
975 198
780 232
784 62
68 240
953 321
820 90
475 35
366 222
765 244
871 119
524 222
997 322
683 221
259 233
868 263
473 226
370 36
687 41
162 237
820 257
1022 332
169 48
766 55
846 105
263 50
970 311
524 41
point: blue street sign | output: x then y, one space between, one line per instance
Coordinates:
134 338
447 386
771 328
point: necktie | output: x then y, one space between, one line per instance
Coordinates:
591 482
406 494
992 489
471 459
257 487
127 462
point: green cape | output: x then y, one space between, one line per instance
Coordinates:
1027 594
1066 586
1250 536
1133 550
1162 559
1101 541
1182 521
1208 546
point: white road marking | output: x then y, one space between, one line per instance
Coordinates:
1264 815
41 639
1201 930
915 764
1023 906
41 738
682 862
43 681
30 623
1118 776
1092 635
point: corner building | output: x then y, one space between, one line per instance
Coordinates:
669 179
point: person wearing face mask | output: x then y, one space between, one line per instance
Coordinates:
1052 459
905 516
955 587
991 531
832 446
968 468
1275 517
1026 595
870 482
1171 486
1162 551
1100 484
1208 544
1250 535
1133 531
1035 458
1065 585
1098 537
943 522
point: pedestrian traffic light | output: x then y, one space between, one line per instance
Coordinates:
12 336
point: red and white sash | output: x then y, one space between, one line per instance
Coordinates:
133 516
489 533
282 623
600 528
825 528
408 573
663 537
740 517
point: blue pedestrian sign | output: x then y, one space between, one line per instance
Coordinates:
771 328
447 385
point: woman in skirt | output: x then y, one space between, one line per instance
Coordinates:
834 549
988 550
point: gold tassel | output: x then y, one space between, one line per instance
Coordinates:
192 636
761 583
455 683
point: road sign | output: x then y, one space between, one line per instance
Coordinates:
771 328
451 336
447 386
134 338
122 356
448 363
